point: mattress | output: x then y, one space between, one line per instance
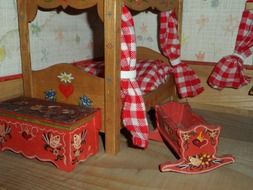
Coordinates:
150 73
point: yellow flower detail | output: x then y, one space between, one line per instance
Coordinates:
206 159
65 77
2 54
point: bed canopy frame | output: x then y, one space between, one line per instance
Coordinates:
110 13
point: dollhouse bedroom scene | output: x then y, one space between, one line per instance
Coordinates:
126 94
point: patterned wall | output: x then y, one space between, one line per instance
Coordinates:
9 39
210 28
209 32
60 37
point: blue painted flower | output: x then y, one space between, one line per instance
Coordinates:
85 101
50 95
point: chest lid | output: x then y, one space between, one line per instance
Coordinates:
58 115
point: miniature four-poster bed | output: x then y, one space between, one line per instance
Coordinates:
104 92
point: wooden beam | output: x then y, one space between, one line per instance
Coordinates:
112 19
11 89
25 46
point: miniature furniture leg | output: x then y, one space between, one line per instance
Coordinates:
194 141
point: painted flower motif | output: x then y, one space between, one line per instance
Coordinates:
44 57
77 39
144 28
85 101
2 130
5 133
77 153
65 77
50 95
150 39
140 38
213 134
202 160
54 141
230 24
35 28
55 152
215 3
195 160
200 56
77 141
202 21
205 159
184 39
186 136
54 145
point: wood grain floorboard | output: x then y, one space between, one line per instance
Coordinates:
131 169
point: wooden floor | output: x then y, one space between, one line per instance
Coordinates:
136 169
131 169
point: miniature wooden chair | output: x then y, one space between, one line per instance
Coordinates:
191 138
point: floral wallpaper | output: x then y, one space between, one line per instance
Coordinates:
209 29
9 39
65 38
208 33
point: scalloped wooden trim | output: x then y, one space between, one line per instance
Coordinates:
161 5
78 4
32 6
138 5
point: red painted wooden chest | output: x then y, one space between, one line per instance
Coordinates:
60 133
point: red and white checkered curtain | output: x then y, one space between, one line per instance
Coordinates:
133 112
187 82
228 72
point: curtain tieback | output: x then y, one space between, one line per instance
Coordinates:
175 61
128 74
238 55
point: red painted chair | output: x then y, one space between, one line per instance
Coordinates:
191 138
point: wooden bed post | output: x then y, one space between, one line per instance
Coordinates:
112 20
179 12
25 46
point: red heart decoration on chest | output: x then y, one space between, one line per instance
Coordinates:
26 135
199 143
66 89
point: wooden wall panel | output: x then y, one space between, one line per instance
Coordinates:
11 89
227 100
